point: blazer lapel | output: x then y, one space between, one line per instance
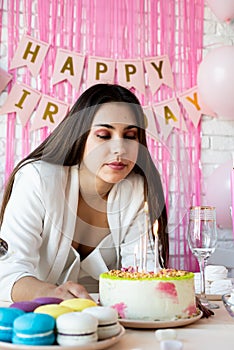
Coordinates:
69 220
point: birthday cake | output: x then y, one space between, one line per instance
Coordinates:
163 296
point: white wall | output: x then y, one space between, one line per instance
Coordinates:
217 133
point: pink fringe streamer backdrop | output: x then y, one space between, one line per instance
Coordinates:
121 29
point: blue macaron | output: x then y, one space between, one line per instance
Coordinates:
34 329
7 318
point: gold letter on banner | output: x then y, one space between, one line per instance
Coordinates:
131 74
158 69
22 99
194 105
159 72
34 53
30 53
100 70
68 66
50 113
129 70
194 101
169 115
19 104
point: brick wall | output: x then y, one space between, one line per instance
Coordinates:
217 134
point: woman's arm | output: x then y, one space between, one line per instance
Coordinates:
33 239
28 288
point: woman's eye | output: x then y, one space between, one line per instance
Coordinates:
130 136
103 136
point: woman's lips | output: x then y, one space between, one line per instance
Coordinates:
116 165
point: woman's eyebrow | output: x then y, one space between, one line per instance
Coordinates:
109 126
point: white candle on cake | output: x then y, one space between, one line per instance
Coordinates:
135 258
145 243
156 260
141 244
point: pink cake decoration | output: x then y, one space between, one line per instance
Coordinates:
191 310
120 308
168 289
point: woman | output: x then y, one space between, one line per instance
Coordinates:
74 207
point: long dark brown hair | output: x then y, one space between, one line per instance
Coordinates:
65 146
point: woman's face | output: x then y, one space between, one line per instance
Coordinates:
112 145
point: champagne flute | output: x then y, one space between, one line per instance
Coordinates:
202 240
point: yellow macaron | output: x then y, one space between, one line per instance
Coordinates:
78 304
53 310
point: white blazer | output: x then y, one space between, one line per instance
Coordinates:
39 224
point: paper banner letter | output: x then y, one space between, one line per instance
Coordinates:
151 122
131 74
100 70
31 53
22 100
194 105
165 129
50 113
68 66
171 112
159 72
5 78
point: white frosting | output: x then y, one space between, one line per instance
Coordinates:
33 335
149 299
5 328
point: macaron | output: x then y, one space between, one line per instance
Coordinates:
78 304
7 317
26 306
53 310
108 325
76 328
34 329
48 300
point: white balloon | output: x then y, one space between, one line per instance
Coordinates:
218 193
223 9
215 81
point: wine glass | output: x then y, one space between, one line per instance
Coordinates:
202 240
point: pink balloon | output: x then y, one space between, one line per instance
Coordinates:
218 194
215 81
223 9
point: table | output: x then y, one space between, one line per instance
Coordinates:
216 332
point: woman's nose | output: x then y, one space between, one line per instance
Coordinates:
118 147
